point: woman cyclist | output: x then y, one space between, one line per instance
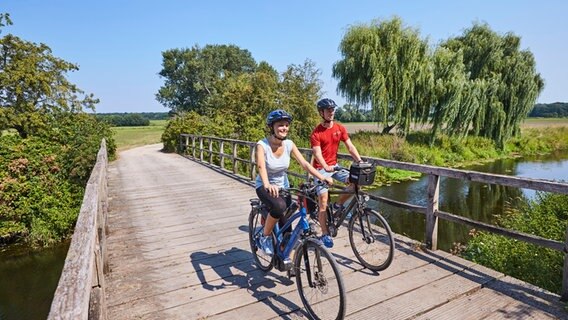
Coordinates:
273 160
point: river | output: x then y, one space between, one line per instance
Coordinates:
28 278
481 202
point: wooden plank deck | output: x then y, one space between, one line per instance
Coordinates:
178 249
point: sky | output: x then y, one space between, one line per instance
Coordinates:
118 44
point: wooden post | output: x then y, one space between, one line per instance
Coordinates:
193 146
201 148
564 292
221 152
252 162
431 218
210 151
234 157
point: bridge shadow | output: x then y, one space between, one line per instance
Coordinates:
234 269
486 278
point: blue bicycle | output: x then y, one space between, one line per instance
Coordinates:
317 274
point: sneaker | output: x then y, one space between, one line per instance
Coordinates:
327 240
265 244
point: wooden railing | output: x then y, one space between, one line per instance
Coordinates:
206 149
80 292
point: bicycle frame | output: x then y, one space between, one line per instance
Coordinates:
300 228
355 201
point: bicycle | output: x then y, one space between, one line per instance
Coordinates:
370 235
317 274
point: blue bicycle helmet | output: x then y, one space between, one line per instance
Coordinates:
277 115
326 104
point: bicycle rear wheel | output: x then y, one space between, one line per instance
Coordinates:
371 239
263 261
319 281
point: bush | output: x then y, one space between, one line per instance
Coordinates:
546 216
37 201
42 178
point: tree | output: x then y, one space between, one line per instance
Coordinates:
5 20
386 65
504 82
190 74
33 86
299 90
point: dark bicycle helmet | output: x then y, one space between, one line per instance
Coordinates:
277 115
326 104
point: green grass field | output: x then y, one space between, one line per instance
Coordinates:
130 137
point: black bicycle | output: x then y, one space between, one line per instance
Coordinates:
370 235
317 274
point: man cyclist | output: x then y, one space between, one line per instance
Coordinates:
325 141
273 160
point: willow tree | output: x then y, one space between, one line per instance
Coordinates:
449 88
502 77
386 65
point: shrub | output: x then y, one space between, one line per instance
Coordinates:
37 201
546 216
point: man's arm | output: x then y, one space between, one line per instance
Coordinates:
316 150
353 151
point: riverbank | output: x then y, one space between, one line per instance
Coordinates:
453 152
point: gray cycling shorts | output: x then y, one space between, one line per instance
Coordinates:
341 175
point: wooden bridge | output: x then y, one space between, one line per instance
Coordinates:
170 242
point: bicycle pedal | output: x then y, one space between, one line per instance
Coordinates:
332 231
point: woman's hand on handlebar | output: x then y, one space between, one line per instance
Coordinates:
328 180
272 190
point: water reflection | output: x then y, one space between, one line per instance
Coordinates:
28 280
481 202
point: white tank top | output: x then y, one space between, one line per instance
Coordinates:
276 167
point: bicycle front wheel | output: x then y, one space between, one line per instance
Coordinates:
263 261
371 239
319 281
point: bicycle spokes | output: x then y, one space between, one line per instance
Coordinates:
371 240
319 282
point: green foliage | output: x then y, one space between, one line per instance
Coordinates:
124 120
190 74
550 110
351 113
37 201
5 20
33 87
503 83
386 65
546 216
539 141
478 84
45 166
193 123
241 101
80 136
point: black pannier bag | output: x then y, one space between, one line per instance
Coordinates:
362 173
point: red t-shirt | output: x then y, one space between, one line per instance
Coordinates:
328 140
